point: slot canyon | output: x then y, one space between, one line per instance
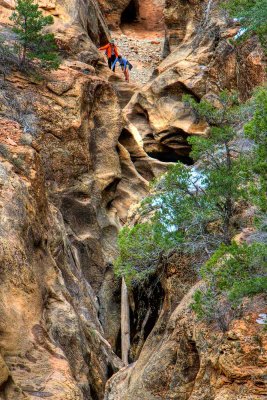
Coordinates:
79 148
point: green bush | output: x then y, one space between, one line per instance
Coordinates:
232 272
252 15
139 252
256 130
194 210
4 152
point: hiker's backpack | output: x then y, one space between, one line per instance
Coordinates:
130 66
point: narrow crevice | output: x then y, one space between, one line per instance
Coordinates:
148 301
118 344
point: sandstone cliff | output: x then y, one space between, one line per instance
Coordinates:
72 163
186 359
61 170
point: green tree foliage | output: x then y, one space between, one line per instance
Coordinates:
32 43
139 251
256 130
252 15
232 271
192 209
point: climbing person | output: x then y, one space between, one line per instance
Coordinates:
111 52
125 66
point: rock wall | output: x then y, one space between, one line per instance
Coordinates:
203 62
188 360
72 164
113 10
183 358
147 12
65 186
58 233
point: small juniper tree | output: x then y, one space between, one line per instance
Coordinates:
193 208
222 163
32 43
232 273
256 130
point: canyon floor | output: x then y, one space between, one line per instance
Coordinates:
144 50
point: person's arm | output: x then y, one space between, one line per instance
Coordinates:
113 65
103 47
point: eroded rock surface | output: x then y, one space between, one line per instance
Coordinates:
58 233
187 360
62 171
72 165
203 62
183 358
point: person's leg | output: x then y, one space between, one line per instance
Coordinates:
113 58
126 74
109 63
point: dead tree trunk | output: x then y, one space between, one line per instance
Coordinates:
125 323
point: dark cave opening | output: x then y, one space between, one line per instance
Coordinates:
131 13
171 156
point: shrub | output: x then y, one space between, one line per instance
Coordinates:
192 210
138 252
252 16
4 151
256 130
32 43
233 272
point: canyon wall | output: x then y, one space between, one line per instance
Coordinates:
72 164
202 63
66 186
183 358
186 359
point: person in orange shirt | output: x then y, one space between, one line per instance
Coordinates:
111 52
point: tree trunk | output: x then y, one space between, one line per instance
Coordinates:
23 55
125 323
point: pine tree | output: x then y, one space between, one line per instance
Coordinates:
32 43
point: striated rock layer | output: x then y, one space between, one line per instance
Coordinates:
71 166
65 186
183 358
203 62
